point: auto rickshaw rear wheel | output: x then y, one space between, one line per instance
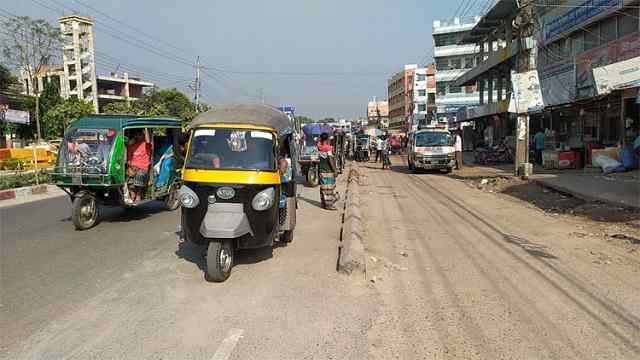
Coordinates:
219 260
171 201
85 211
312 176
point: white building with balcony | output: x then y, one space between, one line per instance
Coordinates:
451 61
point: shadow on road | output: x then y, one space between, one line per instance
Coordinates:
310 201
196 254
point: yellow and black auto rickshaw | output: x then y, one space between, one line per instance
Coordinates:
239 188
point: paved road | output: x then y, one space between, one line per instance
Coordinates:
453 273
128 290
465 274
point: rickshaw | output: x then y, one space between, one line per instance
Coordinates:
309 159
363 143
91 165
239 187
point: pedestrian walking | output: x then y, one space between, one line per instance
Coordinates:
457 147
327 170
538 140
386 163
379 145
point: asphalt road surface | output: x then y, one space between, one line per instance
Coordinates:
127 289
452 273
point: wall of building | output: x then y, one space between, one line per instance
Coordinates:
452 60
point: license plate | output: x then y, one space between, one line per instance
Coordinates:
76 179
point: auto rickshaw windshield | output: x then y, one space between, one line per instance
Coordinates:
87 150
231 149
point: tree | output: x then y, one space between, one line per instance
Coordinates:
304 119
28 44
122 108
327 120
49 98
58 117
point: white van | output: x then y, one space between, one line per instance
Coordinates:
431 149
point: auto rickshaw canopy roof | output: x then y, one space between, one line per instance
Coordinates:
246 114
119 122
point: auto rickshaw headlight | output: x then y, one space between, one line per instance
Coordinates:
188 198
263 200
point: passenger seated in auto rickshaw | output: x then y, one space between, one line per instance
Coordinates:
139 152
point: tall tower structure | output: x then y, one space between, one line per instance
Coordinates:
78 58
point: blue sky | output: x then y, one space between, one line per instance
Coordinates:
326 57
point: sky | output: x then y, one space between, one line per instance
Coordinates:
325 57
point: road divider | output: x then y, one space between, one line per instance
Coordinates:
351 253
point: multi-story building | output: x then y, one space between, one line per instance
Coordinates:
400 93
452 60
501 54
378 113
118 87
587 63
78 62
76 77
419 101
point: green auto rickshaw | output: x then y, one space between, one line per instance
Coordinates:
94 170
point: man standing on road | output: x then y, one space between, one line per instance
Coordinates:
538 140
457 147
379 147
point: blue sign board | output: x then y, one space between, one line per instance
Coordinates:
577 15
287 109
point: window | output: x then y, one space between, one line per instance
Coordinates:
441 88
422 107
422 92
446 39
455 63
577 43
591 37
442 64
609 30
431 99
455 89
628 22
468 62
420 77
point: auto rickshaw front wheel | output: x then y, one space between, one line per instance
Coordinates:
219 260
85 211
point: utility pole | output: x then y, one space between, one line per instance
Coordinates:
197 85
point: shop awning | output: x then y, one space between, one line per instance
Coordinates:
502 10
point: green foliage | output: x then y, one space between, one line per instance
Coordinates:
7 80
49 99
64 113
304 119
122 108
170 103
19 180
327 120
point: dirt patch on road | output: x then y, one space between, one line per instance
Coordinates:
594 219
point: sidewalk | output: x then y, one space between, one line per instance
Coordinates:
589 184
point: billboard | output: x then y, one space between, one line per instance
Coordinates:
526 95
558 83
16 117
616 76
576 16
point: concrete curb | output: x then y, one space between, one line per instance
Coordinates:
351 253
23 192
584 197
